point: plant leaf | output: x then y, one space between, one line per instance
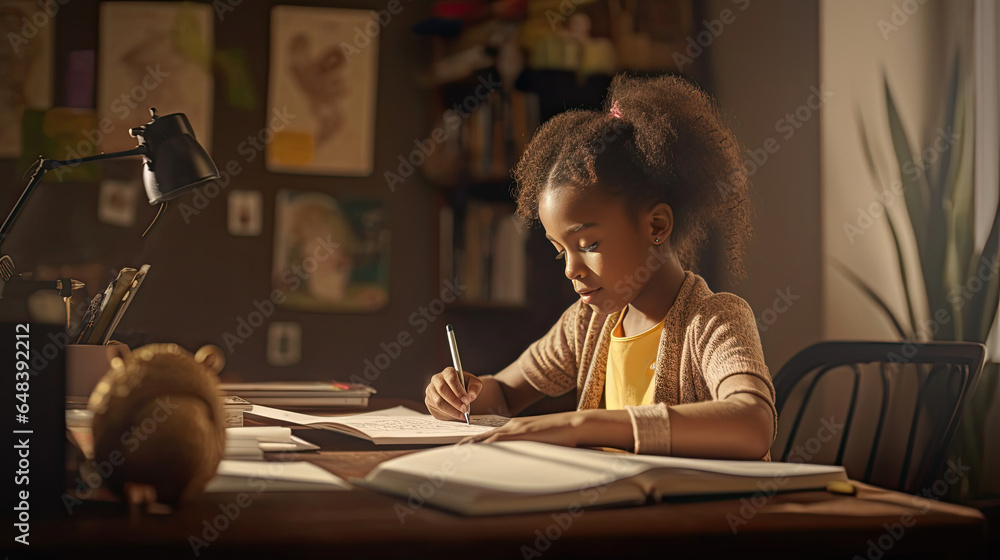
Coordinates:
927 217
914 189
902 272
985 299
951 116
962 214
866 147
861 285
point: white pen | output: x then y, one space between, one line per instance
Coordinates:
453 344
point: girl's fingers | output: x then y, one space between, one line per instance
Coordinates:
444 397
473 386
450 377
438 407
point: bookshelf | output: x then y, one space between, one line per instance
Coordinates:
499 69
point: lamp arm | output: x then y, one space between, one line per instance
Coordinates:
44 165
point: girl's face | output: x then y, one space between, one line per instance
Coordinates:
606 255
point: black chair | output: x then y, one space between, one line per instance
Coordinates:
891 423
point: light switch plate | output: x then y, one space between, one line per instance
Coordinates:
245 213
284 343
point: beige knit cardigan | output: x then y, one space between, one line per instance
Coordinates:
707 338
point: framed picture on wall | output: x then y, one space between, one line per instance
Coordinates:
154 54
321 91
26 56
330 254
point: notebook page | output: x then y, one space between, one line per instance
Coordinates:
398 423
498 467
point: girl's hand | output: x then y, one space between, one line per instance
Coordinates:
446 399
563 428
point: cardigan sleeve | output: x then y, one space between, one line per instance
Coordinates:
731 358
731 361
650 428
550 364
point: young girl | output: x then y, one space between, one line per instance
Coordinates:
659 363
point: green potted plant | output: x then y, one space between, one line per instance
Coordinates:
961 283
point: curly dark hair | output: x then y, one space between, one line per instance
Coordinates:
670 144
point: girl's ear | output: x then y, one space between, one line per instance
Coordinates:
661 222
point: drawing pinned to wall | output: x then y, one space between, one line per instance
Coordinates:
245 213
60 133
154 54
116 202
327 81
26 66
330 254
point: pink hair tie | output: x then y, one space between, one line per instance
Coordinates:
615 111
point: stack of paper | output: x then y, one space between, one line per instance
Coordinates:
253 442
273 476
301 393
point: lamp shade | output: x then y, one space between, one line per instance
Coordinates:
174 161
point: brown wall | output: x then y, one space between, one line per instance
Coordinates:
202 279
763 65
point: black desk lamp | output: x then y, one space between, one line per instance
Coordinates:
174 164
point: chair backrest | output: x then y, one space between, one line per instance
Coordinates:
911 399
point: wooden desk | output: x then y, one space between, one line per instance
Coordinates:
363 524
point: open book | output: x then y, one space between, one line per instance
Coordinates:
398 425
524 476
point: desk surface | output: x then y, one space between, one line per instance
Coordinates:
363 524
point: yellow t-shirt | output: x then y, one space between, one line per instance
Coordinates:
631 364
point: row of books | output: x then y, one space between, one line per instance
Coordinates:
485 252
301 393
483 138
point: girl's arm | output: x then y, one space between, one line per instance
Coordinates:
740 426
507 393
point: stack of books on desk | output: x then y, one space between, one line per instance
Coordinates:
301 393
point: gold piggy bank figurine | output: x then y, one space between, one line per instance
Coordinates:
159 420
